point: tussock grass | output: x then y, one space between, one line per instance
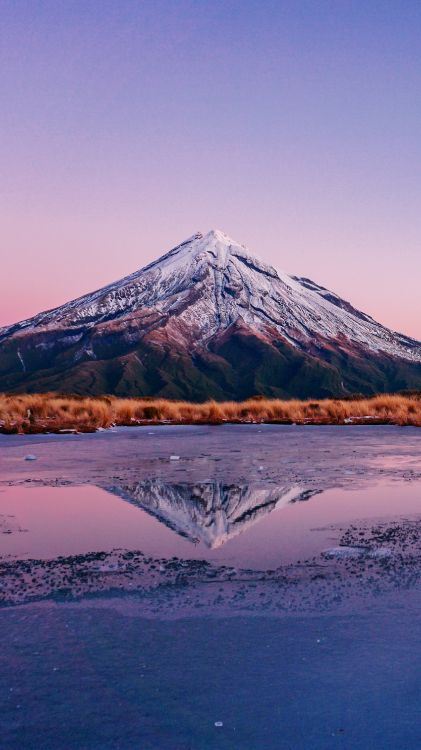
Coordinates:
53 413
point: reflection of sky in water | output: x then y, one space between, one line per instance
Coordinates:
249 525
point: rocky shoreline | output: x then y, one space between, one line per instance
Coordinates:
367 562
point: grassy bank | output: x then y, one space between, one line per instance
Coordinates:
54 413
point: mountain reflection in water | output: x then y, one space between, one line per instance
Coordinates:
209 512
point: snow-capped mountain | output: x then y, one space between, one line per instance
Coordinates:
208 319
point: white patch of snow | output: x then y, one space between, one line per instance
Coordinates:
20 358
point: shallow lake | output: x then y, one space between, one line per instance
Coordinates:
211 587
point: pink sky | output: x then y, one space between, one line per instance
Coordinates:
128 127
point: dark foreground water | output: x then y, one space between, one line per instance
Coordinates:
260 591
79 678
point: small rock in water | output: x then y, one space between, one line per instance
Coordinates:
30 457
174 458
381 552
108 567
219 723
345 552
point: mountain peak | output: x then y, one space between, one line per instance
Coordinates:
214 248
217 235
214 238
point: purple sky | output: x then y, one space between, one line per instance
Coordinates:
128 125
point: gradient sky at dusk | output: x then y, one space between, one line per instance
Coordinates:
295 127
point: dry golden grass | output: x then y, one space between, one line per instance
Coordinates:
51 412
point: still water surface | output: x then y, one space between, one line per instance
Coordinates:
253 527
113 636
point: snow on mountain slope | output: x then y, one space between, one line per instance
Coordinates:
209 282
